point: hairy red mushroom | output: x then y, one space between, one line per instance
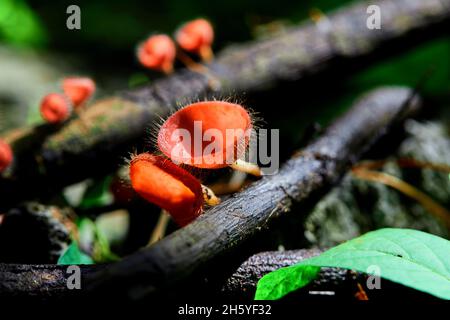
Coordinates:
163 183
6 155
55 108
78 89
209 135
158 52
197 37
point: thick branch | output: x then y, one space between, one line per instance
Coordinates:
85 148
226 226
50 281
42 281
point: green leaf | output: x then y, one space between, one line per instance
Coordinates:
98 194
278 283
73 255
20 25
409 257
90 236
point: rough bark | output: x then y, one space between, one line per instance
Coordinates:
50 281
58 156
40 280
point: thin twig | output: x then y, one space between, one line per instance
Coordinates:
428 203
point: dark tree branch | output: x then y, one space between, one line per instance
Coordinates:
42 280
50 281
93 146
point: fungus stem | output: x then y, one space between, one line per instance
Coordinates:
191 64
83 121
246 167
209 197
160 228
213 82
167 68
206 54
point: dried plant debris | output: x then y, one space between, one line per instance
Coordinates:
357 206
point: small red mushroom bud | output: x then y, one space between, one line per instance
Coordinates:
6 155
208 135
55 108
197 37
160 181
78 89
158 52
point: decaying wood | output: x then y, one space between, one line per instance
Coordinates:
223 228
58 156
42 280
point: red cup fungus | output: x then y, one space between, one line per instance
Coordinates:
78 89
6 155
163 183
196 36
208 135
55 108
158 52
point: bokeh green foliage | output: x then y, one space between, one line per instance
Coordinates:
20 25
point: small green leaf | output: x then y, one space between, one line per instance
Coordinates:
277 284
98 194
73 255
409 257
94 241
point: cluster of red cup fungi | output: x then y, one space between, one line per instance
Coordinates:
157 178
160 181
58 107
158 52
